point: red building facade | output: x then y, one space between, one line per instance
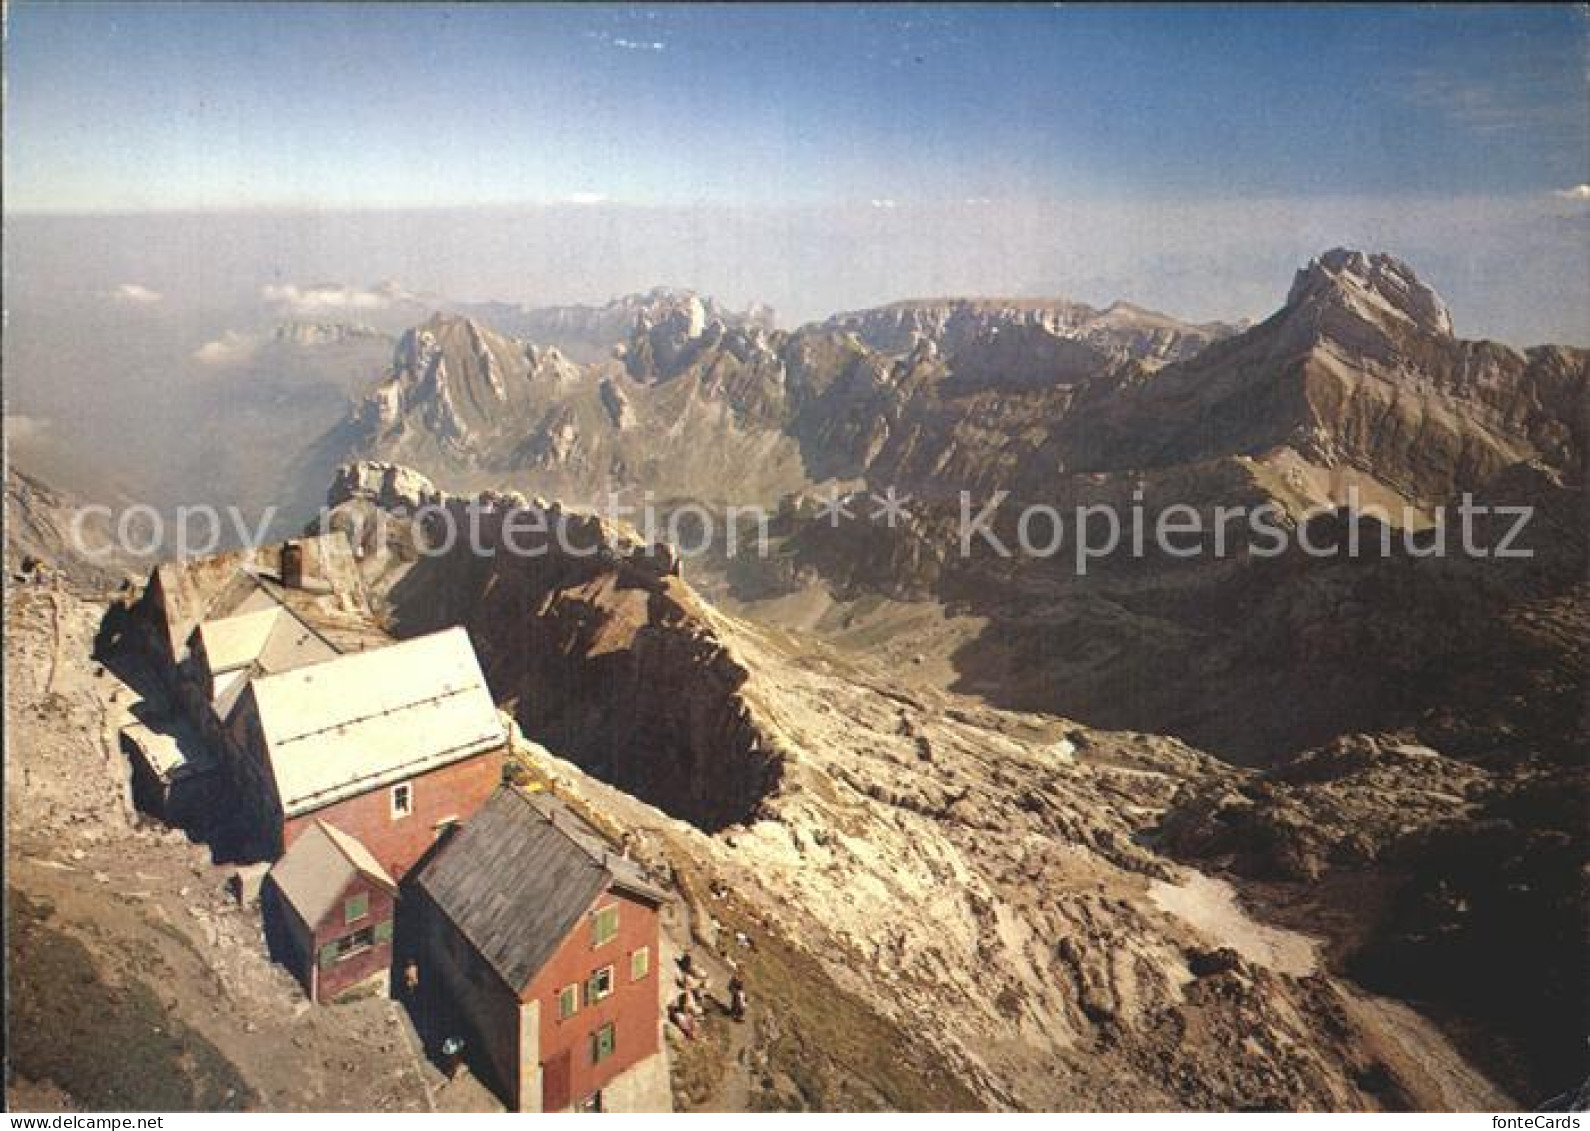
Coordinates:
391 745
400 827
329 911
349 947
546 942
575 1060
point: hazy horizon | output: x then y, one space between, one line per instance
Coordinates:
813 158
809 263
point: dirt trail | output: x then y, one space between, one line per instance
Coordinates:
55 643
1443 1080
732 1091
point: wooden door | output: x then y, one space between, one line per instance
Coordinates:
555 1082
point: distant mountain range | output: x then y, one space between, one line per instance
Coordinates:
1357 377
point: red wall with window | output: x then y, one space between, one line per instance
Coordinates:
633 1007
333 976
454 791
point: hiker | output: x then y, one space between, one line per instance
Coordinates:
691 980
453 1050
679 1013
737 998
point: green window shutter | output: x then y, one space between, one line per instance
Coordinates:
604 925
640 964
357 907
383 931
328 955
602 1042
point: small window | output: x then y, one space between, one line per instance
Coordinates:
604 925
568 1002
599 985
402 800
356 908
356 943
640 964
602 1043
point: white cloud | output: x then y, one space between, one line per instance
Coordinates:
883 202
588 198
230 348
331 298
624 44
136 294
1578 192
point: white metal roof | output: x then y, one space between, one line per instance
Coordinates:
360 721
315 871
235 642
272 638
292 644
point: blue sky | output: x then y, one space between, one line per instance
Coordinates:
130 107
814 157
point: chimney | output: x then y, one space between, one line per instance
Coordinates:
293 565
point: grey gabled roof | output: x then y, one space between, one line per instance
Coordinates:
518 876
314 871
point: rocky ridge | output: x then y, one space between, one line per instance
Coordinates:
952 324
42 530
1358 379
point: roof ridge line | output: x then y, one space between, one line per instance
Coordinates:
381 714
550 817
341 655
335 835
209 604
281 603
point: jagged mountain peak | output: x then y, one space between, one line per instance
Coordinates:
592 333
1374 286
468 339
448 322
